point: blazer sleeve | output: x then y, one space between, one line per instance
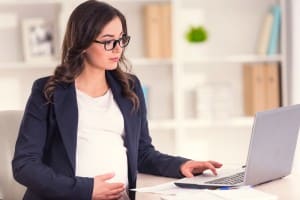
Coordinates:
150 160
28 168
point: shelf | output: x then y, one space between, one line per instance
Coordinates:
137 1
234 59
54 63
161 124
28 65
12 2
206 123
17 2
201 123
149 61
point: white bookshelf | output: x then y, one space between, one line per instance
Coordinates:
234 27
234 59
234 31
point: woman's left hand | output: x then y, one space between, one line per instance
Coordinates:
192 167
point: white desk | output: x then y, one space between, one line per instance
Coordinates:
284 188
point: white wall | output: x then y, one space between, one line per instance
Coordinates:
295 62
295 51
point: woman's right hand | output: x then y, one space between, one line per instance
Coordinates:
105 190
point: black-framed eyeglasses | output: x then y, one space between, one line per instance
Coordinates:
111 44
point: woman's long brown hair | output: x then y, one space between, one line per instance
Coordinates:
85 24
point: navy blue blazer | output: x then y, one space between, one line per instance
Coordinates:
45 152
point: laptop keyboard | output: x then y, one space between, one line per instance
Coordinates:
229 180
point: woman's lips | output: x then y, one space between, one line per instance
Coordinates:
116 59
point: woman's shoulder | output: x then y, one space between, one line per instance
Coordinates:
40 82
135 80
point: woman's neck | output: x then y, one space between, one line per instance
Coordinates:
92 82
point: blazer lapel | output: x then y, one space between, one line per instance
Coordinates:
125 106
66 112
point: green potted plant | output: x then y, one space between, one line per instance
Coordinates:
195 41
196 34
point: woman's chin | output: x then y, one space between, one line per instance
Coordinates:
112 67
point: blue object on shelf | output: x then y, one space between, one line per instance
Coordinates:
146 93
275 31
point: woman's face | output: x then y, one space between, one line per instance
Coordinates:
97 56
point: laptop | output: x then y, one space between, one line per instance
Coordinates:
270 154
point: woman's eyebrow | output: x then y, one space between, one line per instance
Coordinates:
107 35
110 35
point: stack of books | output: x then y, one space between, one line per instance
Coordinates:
158 30
270 32
261 87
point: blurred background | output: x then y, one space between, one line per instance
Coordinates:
206 65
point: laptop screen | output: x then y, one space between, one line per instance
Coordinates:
273 143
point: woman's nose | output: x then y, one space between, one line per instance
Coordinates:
117 48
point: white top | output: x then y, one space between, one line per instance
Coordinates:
100 145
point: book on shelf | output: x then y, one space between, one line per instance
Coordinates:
261 87
254 89
272 85
275 32
166 36
268 42
157 27
265 34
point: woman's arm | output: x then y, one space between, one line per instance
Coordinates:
28 168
